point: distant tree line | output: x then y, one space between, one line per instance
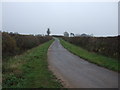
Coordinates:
108 46
66 34
14 43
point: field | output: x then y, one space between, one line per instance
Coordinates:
24 58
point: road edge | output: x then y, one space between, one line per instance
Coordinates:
54 71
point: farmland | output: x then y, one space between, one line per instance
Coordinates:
25 59
59 44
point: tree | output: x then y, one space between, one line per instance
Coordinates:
48 31
72 34
66 34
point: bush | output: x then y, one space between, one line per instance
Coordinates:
107 46
13 43
9 46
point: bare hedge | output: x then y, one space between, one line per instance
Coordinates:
13 44
107 46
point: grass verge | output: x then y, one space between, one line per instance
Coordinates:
29 70
100 60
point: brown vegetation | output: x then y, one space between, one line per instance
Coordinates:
107 46
13 44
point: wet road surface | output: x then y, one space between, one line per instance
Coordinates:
78 73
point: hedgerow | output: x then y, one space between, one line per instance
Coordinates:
13 43
107 46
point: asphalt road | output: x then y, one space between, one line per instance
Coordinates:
75 72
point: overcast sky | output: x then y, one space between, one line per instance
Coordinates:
99 19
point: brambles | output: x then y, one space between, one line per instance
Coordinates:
13 43
107 46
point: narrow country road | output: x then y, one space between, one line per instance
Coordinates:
78 73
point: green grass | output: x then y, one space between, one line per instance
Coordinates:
100 60
30 70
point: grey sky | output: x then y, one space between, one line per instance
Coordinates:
98 18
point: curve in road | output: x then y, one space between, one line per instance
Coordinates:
76 72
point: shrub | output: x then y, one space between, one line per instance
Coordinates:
14 43
9 46
107 46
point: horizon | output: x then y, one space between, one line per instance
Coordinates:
76 35
97 18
